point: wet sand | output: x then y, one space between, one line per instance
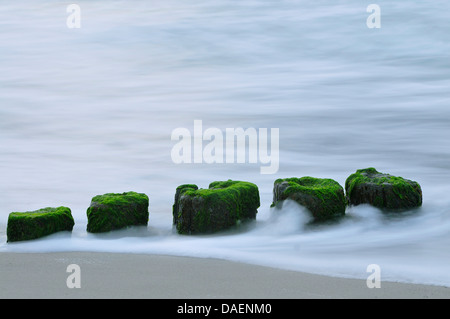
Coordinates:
111 275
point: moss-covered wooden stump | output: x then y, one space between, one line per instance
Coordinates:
324 198
368 186
39 223
220 207
115 211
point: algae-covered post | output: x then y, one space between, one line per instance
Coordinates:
115 211
368 186
180 191
221 206
39 223
324 198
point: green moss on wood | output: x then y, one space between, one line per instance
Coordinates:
39 223
180 191
115 211
368 186
323 197
221 206
187 186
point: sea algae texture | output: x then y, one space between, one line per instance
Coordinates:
222 206
323 197
39 223
368 186
178 193
115 211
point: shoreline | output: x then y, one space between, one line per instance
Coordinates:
125 276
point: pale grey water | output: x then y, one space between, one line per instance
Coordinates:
91 110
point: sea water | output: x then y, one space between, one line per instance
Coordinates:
90 110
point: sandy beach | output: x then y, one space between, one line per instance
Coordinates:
110 275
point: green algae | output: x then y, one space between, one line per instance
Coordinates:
223 205
323 197
115 211
39 223
178 193
381 190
